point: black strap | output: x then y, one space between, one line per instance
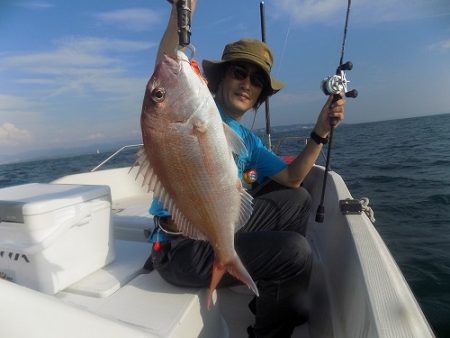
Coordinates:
319 140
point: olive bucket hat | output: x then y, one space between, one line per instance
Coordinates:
248 50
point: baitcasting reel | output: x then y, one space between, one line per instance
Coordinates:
333 85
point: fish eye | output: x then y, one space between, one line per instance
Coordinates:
158 95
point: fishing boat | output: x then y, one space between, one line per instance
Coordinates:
356 290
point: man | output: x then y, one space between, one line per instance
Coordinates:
271 245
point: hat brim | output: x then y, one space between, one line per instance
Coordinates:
214 71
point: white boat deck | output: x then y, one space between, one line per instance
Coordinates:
123 291
149 303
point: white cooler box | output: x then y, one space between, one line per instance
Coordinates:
53 235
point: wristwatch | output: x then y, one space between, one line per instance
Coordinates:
316 138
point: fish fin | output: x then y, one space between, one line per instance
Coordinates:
234 268
140 150
246 208
235 143
183 224
217 273
152 182
145 170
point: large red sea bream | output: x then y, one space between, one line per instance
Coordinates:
187 162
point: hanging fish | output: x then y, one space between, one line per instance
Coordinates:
187 162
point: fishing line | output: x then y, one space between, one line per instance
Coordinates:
283 50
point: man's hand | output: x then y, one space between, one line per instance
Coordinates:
331 110
169 41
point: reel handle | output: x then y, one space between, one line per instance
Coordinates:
352 93
346 66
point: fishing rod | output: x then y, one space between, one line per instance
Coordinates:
263 38
335 85
184 14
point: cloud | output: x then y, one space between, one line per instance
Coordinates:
36 5
97 44
94 137
18 110
308 10
367 11
11 135
441 46
11 102
136 19
77 64
399 10
74 52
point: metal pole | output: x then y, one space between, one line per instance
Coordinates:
263 37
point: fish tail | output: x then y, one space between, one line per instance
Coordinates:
236 269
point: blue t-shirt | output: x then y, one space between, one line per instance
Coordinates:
264 161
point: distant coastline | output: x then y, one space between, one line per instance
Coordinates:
55 153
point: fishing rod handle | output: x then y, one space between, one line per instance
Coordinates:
320 214
184 22
351 93
334 120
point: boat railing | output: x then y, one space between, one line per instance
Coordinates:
115 154
276 149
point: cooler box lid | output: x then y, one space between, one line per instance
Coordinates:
39 198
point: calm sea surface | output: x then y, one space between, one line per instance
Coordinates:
403 166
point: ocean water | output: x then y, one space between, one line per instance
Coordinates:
402 166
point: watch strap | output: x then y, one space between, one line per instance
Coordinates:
319 140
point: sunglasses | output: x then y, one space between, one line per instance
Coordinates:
240 73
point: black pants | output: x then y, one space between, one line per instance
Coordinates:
273 249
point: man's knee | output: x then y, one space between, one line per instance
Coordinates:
299 254
295 209
302 197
